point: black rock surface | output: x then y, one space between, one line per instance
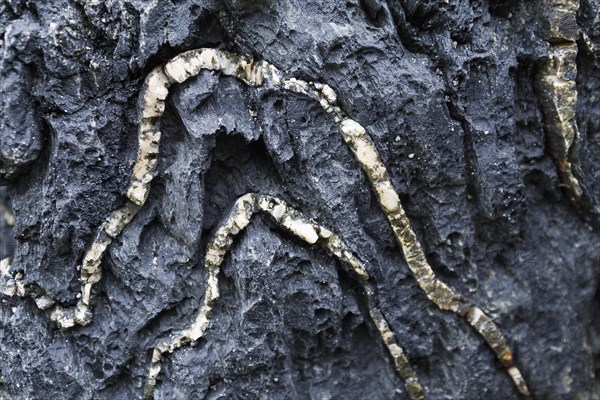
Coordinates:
446 91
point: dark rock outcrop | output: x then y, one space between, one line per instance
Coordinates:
448 92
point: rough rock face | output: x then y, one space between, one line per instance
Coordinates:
449 91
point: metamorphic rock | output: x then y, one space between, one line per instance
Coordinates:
428 173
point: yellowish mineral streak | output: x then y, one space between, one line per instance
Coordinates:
155 92
305 229
80 314
556 86
8 286
438 292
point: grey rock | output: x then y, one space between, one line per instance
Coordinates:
445 89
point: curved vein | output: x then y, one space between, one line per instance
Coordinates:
303 228
189 64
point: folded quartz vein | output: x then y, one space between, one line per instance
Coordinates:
261 73
307 230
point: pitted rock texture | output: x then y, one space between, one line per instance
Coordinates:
447 92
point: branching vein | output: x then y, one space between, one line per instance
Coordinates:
155 92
